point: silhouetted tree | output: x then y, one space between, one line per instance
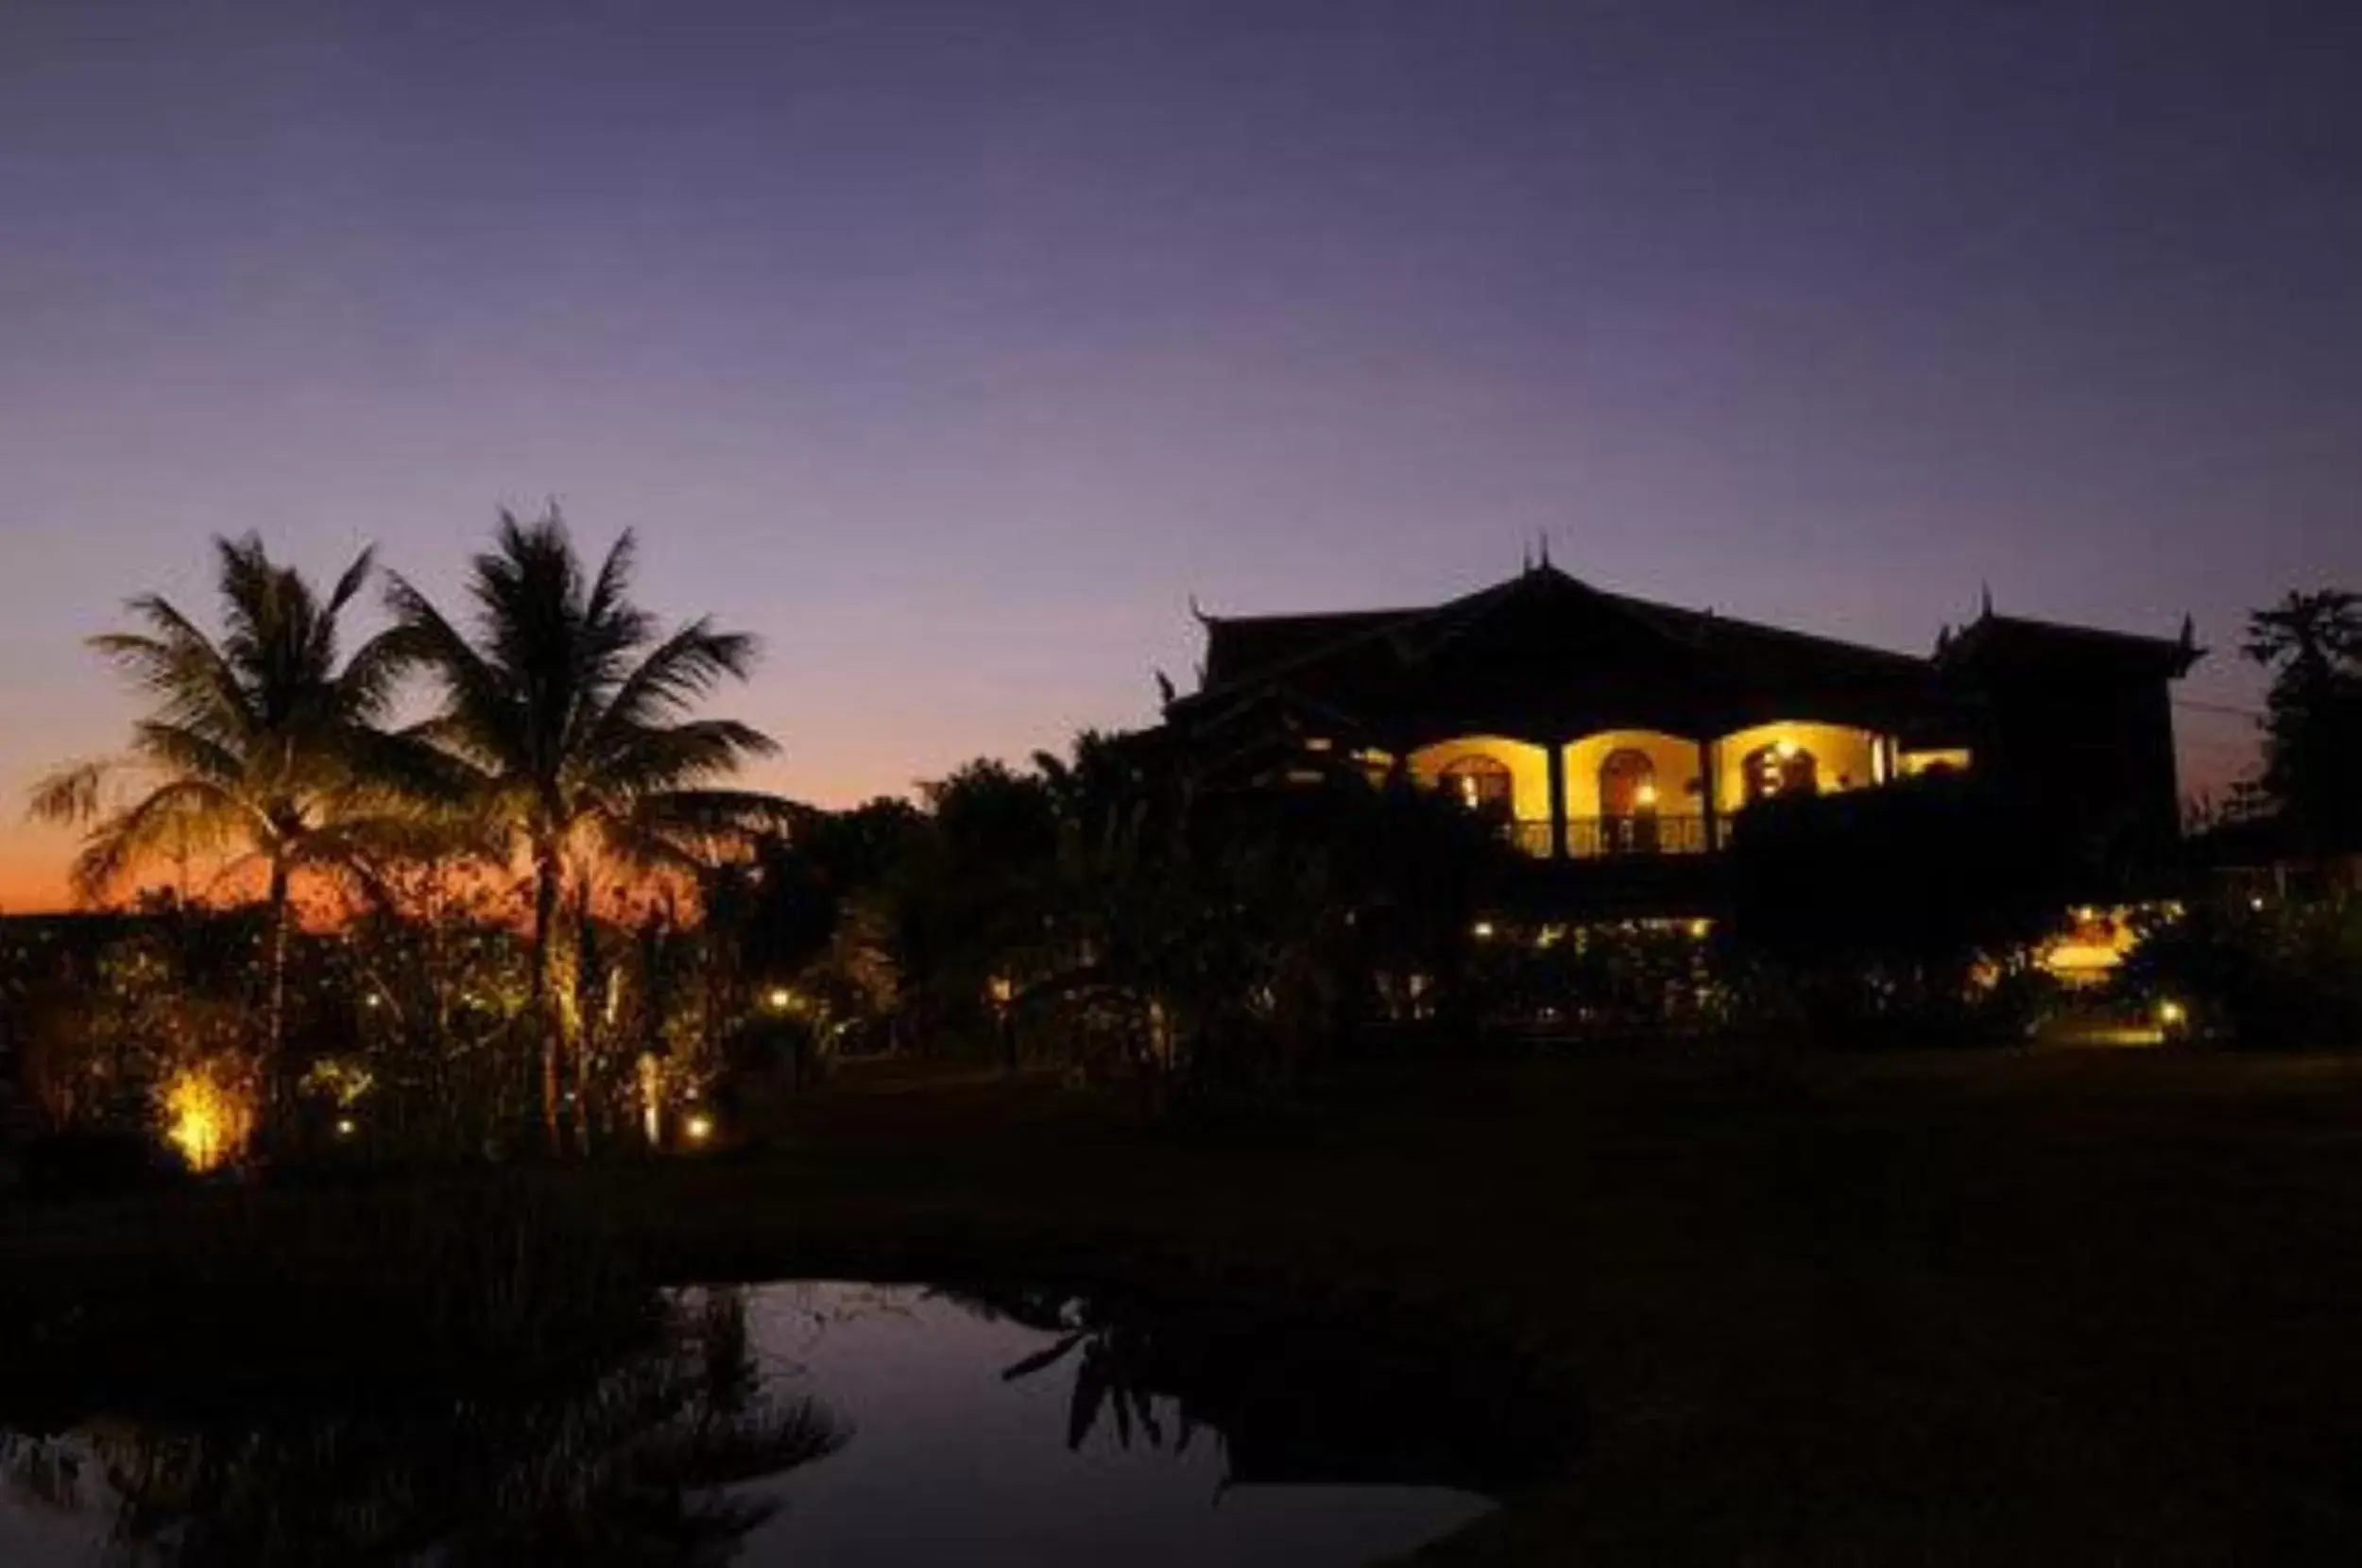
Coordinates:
564 722
262 745
2312 644
1880 903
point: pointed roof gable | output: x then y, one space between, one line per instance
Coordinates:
2013 643
1546 642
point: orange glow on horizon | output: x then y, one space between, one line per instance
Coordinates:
35 860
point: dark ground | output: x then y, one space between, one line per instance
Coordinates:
2071 1306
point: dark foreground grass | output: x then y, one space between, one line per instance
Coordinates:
2075 1307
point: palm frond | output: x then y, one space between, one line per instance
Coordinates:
371 679
691 830
639 760
686 666
723 810
181 817
184 751
479 716
183 667
355 577
70 794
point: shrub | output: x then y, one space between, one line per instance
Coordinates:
2285 975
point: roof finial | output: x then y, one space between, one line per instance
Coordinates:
1545 549
1985 601
1164 688
2190 631
1525 561
1197 614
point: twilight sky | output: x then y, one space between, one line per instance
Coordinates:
952 347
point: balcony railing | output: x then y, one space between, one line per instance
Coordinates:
1610 838
1607 838
1529 836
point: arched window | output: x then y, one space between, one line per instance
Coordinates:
1628 802
1627 784
1482 784
1782 768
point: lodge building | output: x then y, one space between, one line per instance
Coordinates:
1617 742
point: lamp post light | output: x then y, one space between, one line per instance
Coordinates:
1001 991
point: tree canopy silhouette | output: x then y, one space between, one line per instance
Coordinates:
262 743
565 725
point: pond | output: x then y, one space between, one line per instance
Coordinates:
824 1423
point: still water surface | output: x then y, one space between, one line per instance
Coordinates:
816 1422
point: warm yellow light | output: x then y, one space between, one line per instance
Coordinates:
782 998
1645 794
2257 902
1783 747
1481 930
1702 928
208 1116
1002 990
2170 1013
698 1126
344 1128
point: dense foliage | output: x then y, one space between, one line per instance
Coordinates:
2261 972
2312 776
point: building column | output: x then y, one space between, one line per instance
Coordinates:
1558 800
1708 786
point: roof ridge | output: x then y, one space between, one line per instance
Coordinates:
1766 628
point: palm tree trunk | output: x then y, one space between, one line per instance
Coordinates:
546 876
275 1019
581 980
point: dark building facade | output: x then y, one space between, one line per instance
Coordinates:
1619 742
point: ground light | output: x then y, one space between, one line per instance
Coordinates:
208 1115
698 1126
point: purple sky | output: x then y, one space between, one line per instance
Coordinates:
952 347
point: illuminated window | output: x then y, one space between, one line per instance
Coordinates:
1628 800
1627 784
1782 768
1480 784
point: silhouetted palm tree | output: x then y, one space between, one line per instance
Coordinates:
261 746
565 720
